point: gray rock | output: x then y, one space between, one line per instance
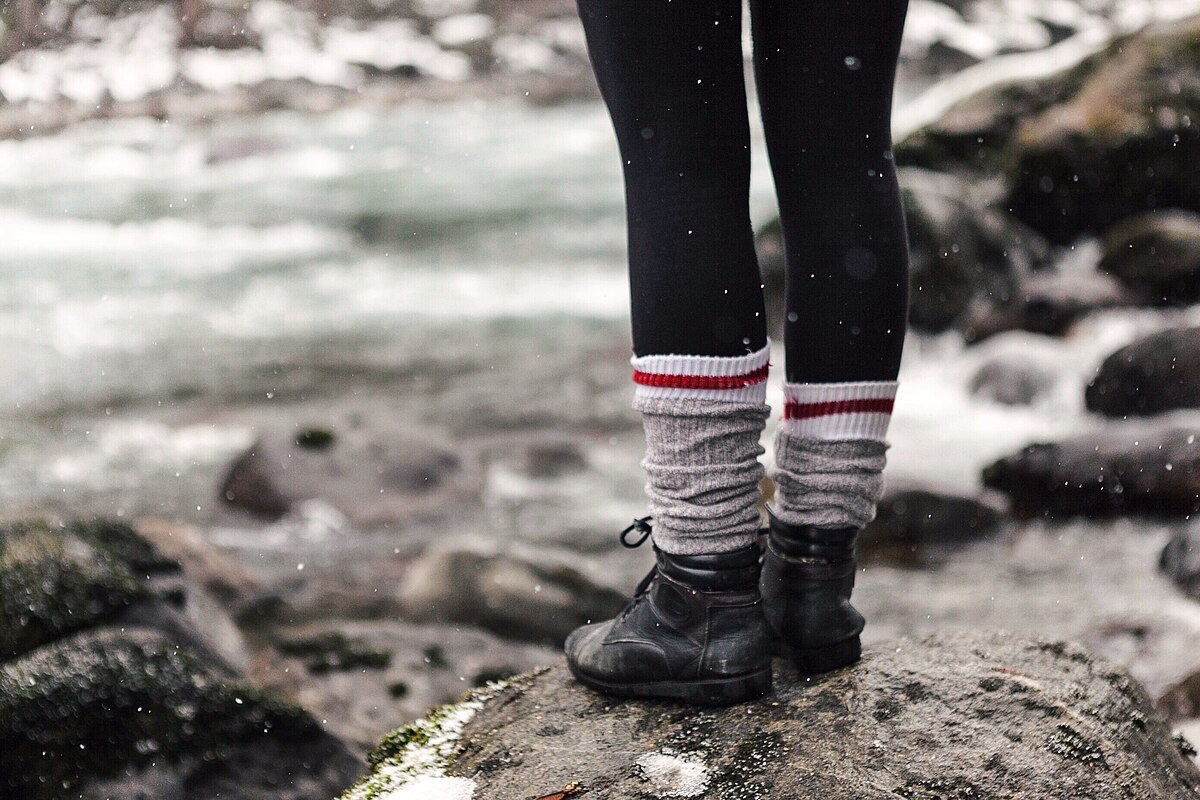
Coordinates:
513 592
916 526
1156 373
1157 255
943 717
1142 469
365 468
1010 382
1180 560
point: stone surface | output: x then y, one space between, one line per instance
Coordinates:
1180 559
1156 373
1138 469
514 593
1157 255
962 716
916 526
361 466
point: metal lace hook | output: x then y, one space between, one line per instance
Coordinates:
642 526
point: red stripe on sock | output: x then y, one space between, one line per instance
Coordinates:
877 405
701 381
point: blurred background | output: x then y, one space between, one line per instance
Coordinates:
314 338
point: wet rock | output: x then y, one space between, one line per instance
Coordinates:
105 704
1157 255
1180 560
1149 470
1047 302
1123 141
370 472
1181 701
1088 147
334 651
1156 373
515 593
1011 382
427 665
961 251
916 527
984 715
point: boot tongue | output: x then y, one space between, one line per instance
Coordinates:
713 572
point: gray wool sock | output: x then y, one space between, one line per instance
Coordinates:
703 472
829 483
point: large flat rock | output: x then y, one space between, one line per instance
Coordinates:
962 716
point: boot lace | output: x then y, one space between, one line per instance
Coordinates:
640 530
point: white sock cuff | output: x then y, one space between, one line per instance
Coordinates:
848 410
736 378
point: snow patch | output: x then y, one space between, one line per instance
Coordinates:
428 787
674 775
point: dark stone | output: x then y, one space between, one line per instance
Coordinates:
1157 373
916 527
1180 560
1157 255
983 715
1147 470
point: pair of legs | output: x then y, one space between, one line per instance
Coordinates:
703 623
671 75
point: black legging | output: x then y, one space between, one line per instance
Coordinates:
671 74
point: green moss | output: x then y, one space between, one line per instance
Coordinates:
332 651
54 581
96 703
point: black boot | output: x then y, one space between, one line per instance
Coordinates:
694 631
807 577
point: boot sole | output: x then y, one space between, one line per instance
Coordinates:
711 692
818 660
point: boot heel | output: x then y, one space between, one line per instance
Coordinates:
815 660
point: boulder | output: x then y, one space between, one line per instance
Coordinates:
916 526
1047 302
1089 146
1011 382
1149 470
1180 561
370 472
105 704
118 679
983 715
1157 255
961 251
512 592
1156 373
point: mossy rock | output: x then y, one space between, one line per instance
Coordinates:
59 579
961 716
92 704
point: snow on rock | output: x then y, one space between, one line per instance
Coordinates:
673 775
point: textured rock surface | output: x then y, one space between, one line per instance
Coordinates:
514 593
1156 373
945 717
1138 469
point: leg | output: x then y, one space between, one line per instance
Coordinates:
825 71
670 72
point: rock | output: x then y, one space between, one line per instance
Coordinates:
1087 147
1011 382
1156 373
984 715
514 593
961 251
1121 142
1048 302
1180 560
1157 255
370 472
1181 701
106 703
427 665
920 527
1137 470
